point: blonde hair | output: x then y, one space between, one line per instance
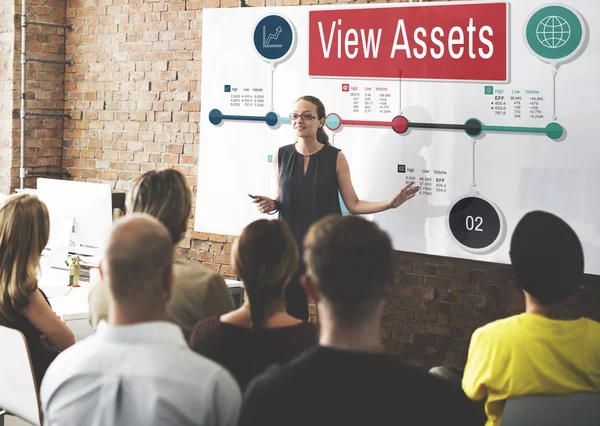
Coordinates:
265 257
24 232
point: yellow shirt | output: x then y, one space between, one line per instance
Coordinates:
531 354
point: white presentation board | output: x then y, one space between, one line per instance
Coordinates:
489 106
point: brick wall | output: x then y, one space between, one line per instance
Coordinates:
44 90
134 92
6 90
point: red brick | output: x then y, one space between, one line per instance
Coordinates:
399 336
434 282
413 327
423 293
400 290
438 307
413 349
414 304
216 247
462 287
227 271
470 323
428 317
222 259
438 330
477 276
498 277
391 323
412 280
413 257
489 315
424 268
388 345
205 257
403 266
515 303
489 290
424 339
443 319
402 314
463 312
448 272
445 296
470 300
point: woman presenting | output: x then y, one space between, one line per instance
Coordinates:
309 174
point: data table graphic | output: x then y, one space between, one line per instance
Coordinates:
484 152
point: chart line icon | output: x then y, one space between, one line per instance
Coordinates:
267 39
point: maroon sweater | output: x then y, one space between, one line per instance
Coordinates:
247 353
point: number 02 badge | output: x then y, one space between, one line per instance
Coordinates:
476 223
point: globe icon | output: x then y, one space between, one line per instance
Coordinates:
553 32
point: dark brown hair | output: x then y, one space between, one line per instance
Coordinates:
165 195
321 115
265 258
350 260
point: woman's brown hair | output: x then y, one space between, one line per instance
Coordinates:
166 196
24 232
321 115
265 258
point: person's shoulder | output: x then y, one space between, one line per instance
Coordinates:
304 333
78 359
593 325
499 328
187 272
204 331
594 330
278 377
285 151
332 149
196 367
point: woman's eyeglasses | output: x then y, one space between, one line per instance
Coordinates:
307 116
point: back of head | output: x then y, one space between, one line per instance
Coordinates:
265 257
138 261
350 260
165 195
547 257
24 232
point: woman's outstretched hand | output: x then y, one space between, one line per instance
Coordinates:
405 194
264 204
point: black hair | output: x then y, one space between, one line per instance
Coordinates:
547 257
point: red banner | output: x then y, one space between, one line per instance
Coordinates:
429 42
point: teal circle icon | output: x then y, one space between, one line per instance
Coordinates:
555 33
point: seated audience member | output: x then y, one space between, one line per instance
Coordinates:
260 333
137 368
197 292
547 349
24 232
348 379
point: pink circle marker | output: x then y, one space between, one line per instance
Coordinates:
400 124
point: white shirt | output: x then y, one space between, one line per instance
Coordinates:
142 374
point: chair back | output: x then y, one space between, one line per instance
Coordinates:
578 409
18 390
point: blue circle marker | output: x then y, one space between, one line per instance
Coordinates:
215 117
274 38
271 119
333 121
